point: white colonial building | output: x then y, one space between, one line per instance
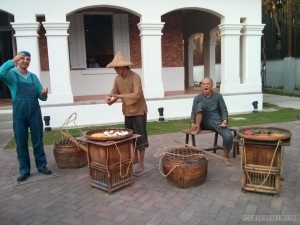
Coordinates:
65 37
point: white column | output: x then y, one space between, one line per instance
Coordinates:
206 57
212 56
251 56
27 39
191 46
152 59
230 57
59 64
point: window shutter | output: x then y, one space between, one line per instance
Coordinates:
77 41
121 34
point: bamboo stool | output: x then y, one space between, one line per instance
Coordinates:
215 143
235 148
235 145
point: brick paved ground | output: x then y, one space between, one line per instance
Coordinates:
69 199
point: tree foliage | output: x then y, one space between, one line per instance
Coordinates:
285 13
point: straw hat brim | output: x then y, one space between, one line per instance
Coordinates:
119 61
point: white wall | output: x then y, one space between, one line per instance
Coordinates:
100 81
149 9
173 78
101 114
92 81
198 72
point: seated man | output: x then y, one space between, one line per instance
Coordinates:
93 63
209 112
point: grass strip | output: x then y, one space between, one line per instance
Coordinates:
271 114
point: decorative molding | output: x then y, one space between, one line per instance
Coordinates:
151 29
26 29
253 29
230 29
56 29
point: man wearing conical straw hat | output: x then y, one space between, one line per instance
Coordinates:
128 88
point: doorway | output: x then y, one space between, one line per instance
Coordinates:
6 49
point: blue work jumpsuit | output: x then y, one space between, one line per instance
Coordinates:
27 114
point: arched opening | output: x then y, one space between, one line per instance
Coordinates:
196 53
96 34
199 56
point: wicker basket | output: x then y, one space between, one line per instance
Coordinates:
68 155
185 167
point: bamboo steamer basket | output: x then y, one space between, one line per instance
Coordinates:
262 157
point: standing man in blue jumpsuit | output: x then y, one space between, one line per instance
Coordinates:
209 112
26 89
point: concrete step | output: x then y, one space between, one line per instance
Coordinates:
6 123
6 130
5 137
5 117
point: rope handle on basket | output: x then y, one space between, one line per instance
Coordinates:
162 152
71 118
131 160
244 154
160 168
67 135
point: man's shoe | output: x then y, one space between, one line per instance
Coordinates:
21 178
46 171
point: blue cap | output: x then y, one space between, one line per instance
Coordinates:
25 53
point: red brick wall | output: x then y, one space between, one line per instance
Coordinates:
135 41
43 46
172 39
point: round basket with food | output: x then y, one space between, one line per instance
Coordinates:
109 134
264 133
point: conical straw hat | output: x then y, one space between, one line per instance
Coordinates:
119 61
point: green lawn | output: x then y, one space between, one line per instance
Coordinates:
172 126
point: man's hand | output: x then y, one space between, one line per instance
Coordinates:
223 124
18 57
194 126
111 98
45 92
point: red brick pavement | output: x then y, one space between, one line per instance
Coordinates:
69 199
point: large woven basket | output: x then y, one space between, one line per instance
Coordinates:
68 155
260 133
185 167
89 134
